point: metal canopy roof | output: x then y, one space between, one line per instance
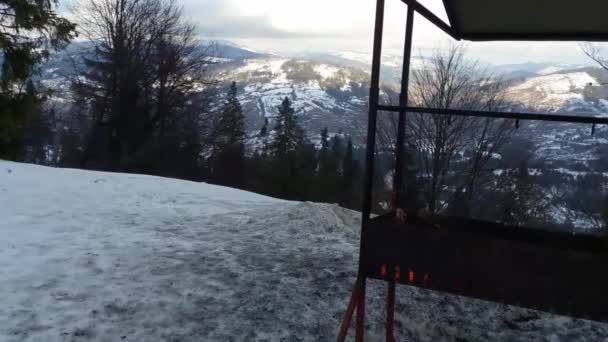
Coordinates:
529 20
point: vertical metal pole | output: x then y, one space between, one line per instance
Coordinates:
374 99
403 102
374 95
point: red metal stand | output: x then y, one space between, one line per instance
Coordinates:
360 327
357 301
352 304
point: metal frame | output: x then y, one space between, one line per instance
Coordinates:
403 108
357 301
500 115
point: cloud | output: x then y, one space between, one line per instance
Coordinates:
244 27
281 25
236 19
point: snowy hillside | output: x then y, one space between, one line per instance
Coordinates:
90 256
324 95
554 91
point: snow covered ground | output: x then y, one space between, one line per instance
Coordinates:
89 256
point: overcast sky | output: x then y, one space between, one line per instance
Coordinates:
320 25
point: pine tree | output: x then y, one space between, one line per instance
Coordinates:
324 142
288 139
411 196
264 130
288 134
328 177
351 172
524 202
306 164
28 31
35 135
336 153
229 159
232 121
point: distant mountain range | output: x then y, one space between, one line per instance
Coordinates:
331 90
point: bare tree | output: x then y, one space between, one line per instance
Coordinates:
595 53
447 145
142 83
596 210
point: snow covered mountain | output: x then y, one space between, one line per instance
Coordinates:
324 95
92 256
331 90
579 90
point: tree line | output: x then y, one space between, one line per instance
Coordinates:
282 161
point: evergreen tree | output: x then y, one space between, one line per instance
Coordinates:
334 169
306 164
232 121
324 143
264 130
229 160
288 134
524 202
350 192
328 177
34 138
336 153
28 31
324 170
412 193
283 148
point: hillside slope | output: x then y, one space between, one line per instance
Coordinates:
324 95
89 256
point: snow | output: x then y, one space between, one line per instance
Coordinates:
556 90
267 82
91 256
390 60
218 59
604 104
347 86
271 65
559 83
326 71
550 70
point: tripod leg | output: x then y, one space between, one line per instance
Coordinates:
348 315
